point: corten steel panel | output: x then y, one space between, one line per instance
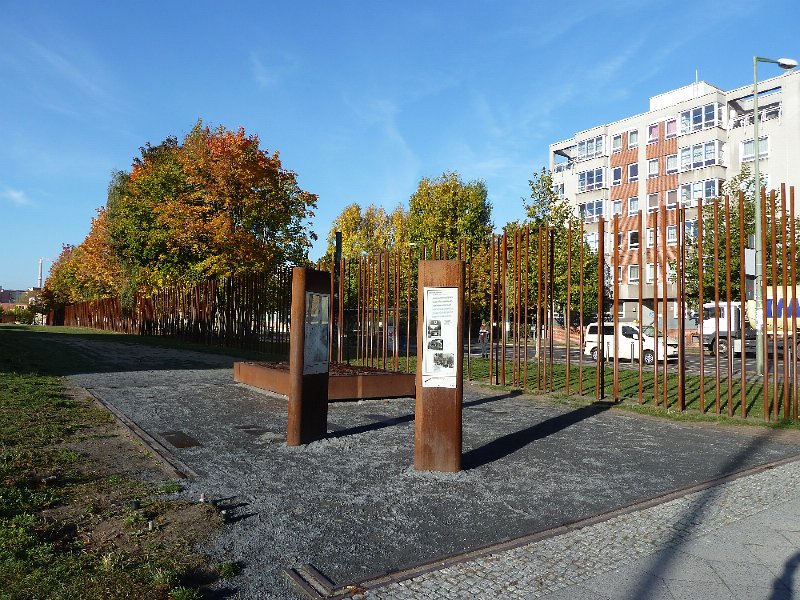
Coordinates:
437 438
340 387
358 387
308 394
263 377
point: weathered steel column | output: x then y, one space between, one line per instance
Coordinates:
308 356
440 357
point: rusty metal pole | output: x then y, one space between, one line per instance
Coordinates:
793 266
308 357
700 259
527 297
681 296
656 397
642 279
728 300
600 391
615 303
568 317
743 298
664 306
716 305
491 309
581 281
438 422
763 291
539 258
774 256
504 297
551 323
786 303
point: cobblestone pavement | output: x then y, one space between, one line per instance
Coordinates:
740 539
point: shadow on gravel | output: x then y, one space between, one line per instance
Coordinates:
510 443
382 423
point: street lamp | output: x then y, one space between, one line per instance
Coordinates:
783 63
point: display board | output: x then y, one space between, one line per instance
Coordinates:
316 346
440 339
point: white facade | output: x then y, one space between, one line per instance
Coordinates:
684 147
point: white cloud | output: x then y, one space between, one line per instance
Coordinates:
267 74
17 197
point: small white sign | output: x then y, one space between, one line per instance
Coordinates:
316 343
440 337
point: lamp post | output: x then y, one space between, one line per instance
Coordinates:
783 63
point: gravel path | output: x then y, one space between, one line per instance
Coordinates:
353 506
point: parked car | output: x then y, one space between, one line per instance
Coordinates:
630 338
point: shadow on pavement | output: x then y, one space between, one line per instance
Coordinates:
782 586
694 514
510 443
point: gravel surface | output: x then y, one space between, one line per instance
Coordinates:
353 506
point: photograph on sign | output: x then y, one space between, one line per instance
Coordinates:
440 337
316 343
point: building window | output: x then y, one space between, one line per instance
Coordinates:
633 273
672 164
701 155
619 274
633 239
671 199
707 190
633 138
616 176
590 239
652 168
748 148
590 148
671 128
633 205
558 190
633 172
591 211
616 143
701 117
617 208
590 180
691 230
619 240
652 133
650 272
652 202
650 237
672 234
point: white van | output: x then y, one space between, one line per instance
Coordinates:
628 343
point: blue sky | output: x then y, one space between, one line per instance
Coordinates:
362 99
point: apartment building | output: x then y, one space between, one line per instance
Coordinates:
682 149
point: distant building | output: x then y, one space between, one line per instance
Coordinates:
690 141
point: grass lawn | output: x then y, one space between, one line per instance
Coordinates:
541 378
84 511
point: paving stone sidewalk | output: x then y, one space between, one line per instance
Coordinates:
737 540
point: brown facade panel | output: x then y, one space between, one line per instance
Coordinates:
663 183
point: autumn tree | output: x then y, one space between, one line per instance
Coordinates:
214 205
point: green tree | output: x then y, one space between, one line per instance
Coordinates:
447 210
722 237
546 211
